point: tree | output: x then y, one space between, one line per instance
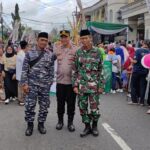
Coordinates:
16 18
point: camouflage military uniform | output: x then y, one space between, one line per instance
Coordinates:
87 77
39 78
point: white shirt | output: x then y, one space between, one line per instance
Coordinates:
19 64
116 62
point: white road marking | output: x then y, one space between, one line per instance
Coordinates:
116 137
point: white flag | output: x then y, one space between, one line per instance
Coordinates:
15 32
24 33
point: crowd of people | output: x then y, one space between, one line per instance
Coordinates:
128 73
11 62
27 73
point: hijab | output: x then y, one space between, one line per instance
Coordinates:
8 55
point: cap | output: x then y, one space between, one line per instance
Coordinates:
64 33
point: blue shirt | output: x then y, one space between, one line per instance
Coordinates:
119 51
137 67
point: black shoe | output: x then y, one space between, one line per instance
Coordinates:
29 129
71 127
86 131
95 131
41 128
59 125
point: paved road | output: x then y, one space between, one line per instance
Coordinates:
122 127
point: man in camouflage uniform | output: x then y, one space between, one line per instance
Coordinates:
88 82
36 82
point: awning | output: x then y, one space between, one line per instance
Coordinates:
106 28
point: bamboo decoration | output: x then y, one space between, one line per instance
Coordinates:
75 30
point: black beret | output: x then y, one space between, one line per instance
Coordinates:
43 35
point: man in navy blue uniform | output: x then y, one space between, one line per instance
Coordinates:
36 80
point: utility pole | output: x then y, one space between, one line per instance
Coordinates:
2 29
76 14
63 26
1 19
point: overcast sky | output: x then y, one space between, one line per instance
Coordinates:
53 12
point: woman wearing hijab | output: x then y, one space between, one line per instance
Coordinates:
1 78
139 74
9 74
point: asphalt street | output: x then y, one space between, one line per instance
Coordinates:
122 127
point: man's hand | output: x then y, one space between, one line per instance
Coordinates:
132 60
14 77
100 90
75 89
3 74
25 88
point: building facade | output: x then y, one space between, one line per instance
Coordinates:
105 11
132 12
136 14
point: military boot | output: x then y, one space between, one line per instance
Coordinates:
95 131
60 123
29 129
71 127
41 128
86 131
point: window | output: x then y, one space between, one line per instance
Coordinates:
131 1
147 34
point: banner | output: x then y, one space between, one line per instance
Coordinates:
107 72
106 28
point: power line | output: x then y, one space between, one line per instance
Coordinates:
52 6
45 22
90 3
55 3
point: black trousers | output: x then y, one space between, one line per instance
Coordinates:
138 87
11 86
64 94
148 101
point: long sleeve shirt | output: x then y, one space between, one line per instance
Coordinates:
87 71
9 62
42 73
19 63
65 58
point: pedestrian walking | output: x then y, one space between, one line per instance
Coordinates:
9 74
